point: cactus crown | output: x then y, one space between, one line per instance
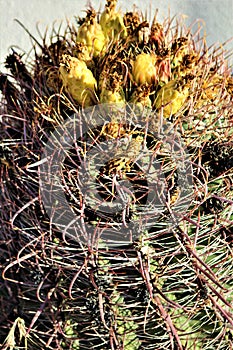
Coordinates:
170 286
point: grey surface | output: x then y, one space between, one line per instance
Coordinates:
217 16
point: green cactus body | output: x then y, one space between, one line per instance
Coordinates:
125 242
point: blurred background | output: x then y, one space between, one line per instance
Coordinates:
216 17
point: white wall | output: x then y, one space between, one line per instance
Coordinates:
217 14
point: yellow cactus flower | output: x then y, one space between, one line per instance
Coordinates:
91 34
144 69
112 22
77 79
171 98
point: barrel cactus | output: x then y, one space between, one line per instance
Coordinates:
116 189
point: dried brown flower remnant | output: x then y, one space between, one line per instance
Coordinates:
112 91
137 30
141 96
179 49
157 37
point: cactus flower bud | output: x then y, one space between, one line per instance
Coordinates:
77 79
144 70
112 22
171 98
90 33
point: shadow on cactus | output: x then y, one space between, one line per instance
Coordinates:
117 244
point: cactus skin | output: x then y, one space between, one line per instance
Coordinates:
171 288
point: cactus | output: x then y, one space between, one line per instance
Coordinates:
168 284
